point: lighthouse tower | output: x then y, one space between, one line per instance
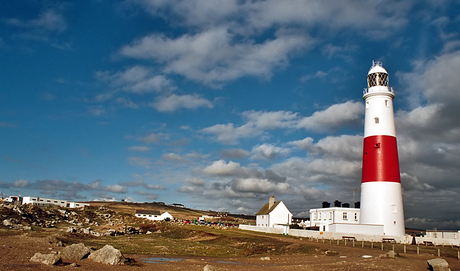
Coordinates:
381 196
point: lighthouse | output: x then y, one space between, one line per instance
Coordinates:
381 195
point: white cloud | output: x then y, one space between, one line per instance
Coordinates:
270 120
334 117
214 56
173 157
21 183
262 15
228 134
268 152
175 102
221 168
126 102
137 79
152 138
139 148
412 183
49 20
195 181
235 153
259 186
116 188
140 161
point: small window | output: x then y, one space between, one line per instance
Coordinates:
356 216
345 216
376 120
393 209
386 103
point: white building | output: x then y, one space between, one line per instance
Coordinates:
60 203
273 214
324 217
153 215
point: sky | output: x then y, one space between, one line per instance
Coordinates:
219 105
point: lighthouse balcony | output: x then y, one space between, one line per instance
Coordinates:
378 89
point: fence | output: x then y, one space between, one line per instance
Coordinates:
365 241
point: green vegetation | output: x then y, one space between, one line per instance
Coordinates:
186 240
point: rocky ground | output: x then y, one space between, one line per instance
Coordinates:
28 230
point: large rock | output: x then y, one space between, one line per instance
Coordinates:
438 264
48 259
107 255
75 252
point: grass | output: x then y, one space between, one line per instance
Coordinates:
178 240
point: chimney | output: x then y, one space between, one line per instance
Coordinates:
271 202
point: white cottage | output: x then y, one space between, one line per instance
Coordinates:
273 214
153 215
324 218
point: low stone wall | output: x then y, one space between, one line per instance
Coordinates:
261 229
330 235
437 241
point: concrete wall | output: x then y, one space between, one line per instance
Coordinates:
354 228
328 235
437 241
277 230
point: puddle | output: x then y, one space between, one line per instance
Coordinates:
160 260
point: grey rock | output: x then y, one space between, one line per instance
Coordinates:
75 252
8 223
209 267
392 254
107 255
438 264
48 259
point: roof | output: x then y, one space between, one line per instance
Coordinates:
377 67
265 210
148 212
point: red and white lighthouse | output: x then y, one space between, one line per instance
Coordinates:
381 195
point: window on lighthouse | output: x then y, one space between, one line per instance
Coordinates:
383 79
376 120
372 80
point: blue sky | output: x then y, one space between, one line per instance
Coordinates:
221 104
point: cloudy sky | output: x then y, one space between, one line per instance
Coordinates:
221 104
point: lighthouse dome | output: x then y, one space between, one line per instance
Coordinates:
377 67
377 75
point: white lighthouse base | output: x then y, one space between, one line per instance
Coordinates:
381 204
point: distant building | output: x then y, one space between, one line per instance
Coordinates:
52 202
274 213
153 215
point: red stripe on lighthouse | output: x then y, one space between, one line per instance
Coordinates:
380 159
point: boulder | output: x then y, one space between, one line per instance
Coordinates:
75 252
48 259
107 255
209 267
438 264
